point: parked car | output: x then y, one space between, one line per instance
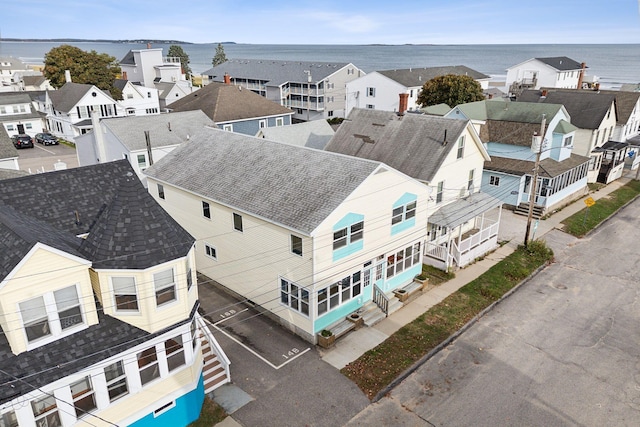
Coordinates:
22 141
46 139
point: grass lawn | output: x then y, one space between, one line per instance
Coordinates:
211 414
378 367
587 219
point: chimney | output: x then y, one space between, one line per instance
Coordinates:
227 79
124 75
543 93
67 76
581 75
98 137
402 107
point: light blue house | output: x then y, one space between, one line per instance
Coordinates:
235 109
507 129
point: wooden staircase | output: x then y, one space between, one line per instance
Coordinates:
216 365
523 209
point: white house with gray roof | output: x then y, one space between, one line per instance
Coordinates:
18 115
309 236
125 138
313 90
555 72
9 68
69 109
379 90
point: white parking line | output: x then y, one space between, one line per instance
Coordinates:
250 350
42 148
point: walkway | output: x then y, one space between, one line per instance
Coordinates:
512 228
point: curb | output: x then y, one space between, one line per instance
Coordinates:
452 337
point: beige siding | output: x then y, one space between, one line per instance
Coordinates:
149 316
44 271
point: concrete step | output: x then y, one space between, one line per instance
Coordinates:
394 305
342 327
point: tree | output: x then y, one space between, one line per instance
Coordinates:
176 51
450 89
98 69
220 56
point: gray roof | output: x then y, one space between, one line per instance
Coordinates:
129 59
411 77
313 134
164 129
33 80
14 63
274 71
549 168
12 173
412 144
164 88
7 149
226 103
65 98
10 98
561 63
586 108
292 186
463 210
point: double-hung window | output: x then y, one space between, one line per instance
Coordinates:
148 365
116 380
8 419
439 192
175 352
35 318
237 222
45 412
348 235
339 293
460 153
296 245
68 306
124 291
404 210
161 191
84 398
165 286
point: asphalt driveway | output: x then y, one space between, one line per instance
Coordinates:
561 351
284 375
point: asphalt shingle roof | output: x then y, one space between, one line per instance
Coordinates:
65 98
7 149
313 134
225 103
164 129
412 144
549 168
292 186
10 98
411 77
274 71
561 63
586 108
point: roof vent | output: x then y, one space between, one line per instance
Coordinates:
364 138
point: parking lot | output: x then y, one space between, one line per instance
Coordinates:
42 158
287 381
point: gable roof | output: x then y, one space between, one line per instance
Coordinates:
10 98
412 144
586 108
267 179
14 63
561 63
7 149
276 72
411 77
225 103
65 98
505 110
164 129
313 134
33 80
128 59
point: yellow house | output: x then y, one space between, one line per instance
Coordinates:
98 305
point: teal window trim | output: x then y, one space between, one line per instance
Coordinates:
403 215
348 236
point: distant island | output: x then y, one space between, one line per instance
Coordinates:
138 41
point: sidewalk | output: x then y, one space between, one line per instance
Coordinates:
512 229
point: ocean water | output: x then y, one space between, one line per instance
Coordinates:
614 64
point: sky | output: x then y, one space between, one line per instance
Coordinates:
328 21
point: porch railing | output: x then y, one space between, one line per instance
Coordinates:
380 299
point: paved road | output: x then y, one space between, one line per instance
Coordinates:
562 351
41 158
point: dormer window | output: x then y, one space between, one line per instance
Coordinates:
35 319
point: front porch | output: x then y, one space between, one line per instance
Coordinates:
613 161
470 232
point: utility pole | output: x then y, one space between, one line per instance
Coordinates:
538 142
